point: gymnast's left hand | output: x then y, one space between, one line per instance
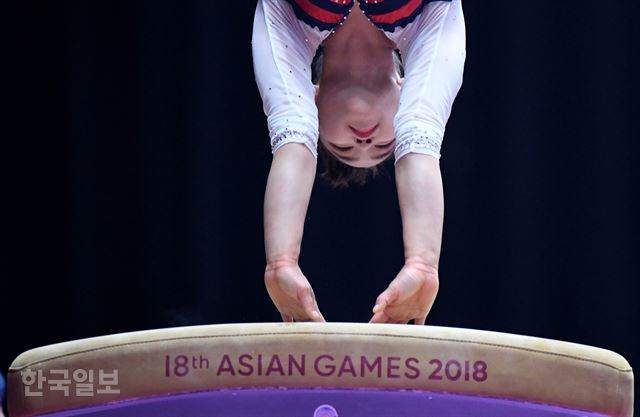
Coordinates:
291 292
409 296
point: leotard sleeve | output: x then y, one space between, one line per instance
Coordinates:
433 52
283 48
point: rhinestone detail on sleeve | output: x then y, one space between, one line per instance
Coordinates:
419 143
288 135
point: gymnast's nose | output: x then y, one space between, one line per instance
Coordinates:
364 137
364 143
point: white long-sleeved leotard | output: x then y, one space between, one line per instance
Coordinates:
430 36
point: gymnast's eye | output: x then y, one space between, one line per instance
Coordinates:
386 145
343 148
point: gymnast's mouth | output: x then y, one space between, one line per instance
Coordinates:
364 134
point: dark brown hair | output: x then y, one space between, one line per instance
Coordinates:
341 175
337 173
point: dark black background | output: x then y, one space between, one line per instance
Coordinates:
135 155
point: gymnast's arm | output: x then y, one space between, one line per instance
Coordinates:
282 53
285 205
434 57
411 294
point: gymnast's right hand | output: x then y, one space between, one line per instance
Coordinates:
291 292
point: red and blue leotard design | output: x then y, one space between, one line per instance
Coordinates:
385 14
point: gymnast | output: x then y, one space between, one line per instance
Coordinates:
387 73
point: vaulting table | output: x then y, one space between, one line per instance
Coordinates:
319 370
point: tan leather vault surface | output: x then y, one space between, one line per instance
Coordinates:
336 355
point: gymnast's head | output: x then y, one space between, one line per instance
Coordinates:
356 108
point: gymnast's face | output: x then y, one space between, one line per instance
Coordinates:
356 119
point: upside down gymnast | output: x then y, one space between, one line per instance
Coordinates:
384 78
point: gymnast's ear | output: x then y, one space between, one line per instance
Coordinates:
399 81
317 90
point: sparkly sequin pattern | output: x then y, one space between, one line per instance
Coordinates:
287 135
419 143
